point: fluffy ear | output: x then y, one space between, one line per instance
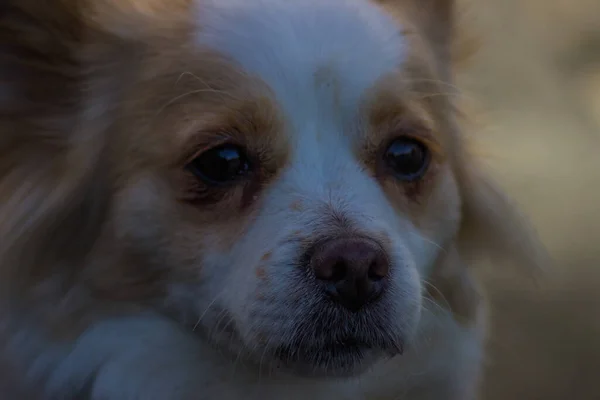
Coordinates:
492 223
53 138
443 25
138 19
492 226
433 19
452 287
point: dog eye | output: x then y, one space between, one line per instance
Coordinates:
220 165
407 158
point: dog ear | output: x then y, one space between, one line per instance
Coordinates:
452 286
444 27
433 20
493 224
138 19
54 187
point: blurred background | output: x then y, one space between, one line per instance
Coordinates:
537 80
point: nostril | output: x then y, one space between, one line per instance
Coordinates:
379 268
375 271
338 272
331 271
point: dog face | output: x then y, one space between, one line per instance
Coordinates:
282 176
310 192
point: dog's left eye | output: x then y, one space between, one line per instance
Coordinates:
220 165
407 158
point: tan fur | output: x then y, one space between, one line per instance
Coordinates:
81 149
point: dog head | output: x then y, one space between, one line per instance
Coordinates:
282 177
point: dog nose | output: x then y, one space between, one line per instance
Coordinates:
354 270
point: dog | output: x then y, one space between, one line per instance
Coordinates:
241 199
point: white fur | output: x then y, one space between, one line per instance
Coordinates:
149 358
286 44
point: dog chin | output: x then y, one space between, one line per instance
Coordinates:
327 357
345 359
333 354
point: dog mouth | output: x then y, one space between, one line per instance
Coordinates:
342 357
334 342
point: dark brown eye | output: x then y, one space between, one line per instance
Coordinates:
220 165
407 158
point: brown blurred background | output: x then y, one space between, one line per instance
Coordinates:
537 79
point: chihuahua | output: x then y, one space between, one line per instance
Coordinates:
241 199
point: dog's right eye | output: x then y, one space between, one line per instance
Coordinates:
220 165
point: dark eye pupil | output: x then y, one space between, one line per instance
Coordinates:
220 165
407 158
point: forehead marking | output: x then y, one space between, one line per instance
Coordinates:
343 45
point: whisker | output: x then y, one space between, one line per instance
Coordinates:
437 291
216 328
186 73
436 81
238 358
428 241
260 363
437 308
203 314
191 92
